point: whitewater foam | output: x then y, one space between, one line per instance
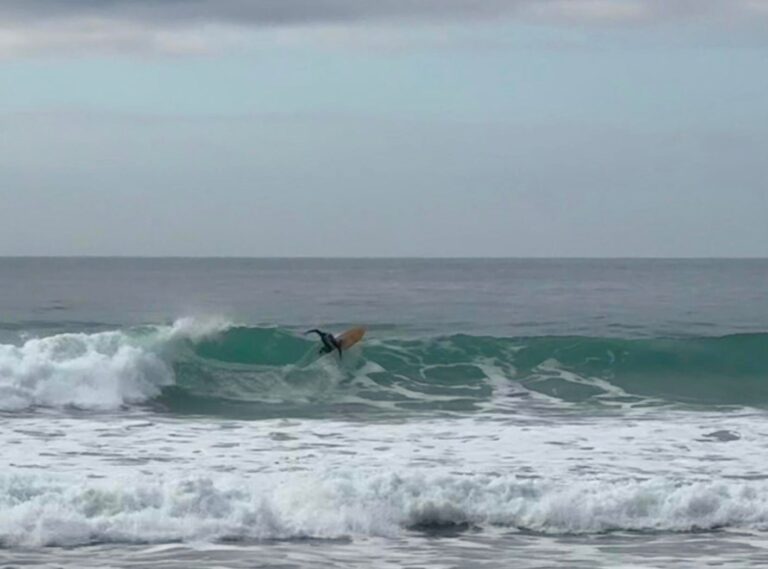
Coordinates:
100 371
39 510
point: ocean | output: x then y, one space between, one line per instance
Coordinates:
171 413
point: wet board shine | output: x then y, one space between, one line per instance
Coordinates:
351 337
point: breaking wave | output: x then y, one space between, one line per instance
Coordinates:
42 511
214 367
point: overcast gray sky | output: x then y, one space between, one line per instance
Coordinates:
384 128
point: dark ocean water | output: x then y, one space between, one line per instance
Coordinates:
561 413
620 298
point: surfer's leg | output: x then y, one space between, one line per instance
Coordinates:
336 345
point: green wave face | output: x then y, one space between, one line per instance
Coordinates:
269 372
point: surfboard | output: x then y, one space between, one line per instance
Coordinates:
350 337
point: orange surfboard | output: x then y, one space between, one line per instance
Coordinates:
351 337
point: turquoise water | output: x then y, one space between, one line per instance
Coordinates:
564 412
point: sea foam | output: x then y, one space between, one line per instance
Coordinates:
39 510
100 371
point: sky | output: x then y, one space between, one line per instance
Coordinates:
367 128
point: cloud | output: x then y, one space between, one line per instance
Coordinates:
89 36
254 12
194 26
286 12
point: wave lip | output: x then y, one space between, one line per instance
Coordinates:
40 511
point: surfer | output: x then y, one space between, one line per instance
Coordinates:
329 341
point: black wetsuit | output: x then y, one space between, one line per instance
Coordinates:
330 343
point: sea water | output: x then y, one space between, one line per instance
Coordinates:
500 413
